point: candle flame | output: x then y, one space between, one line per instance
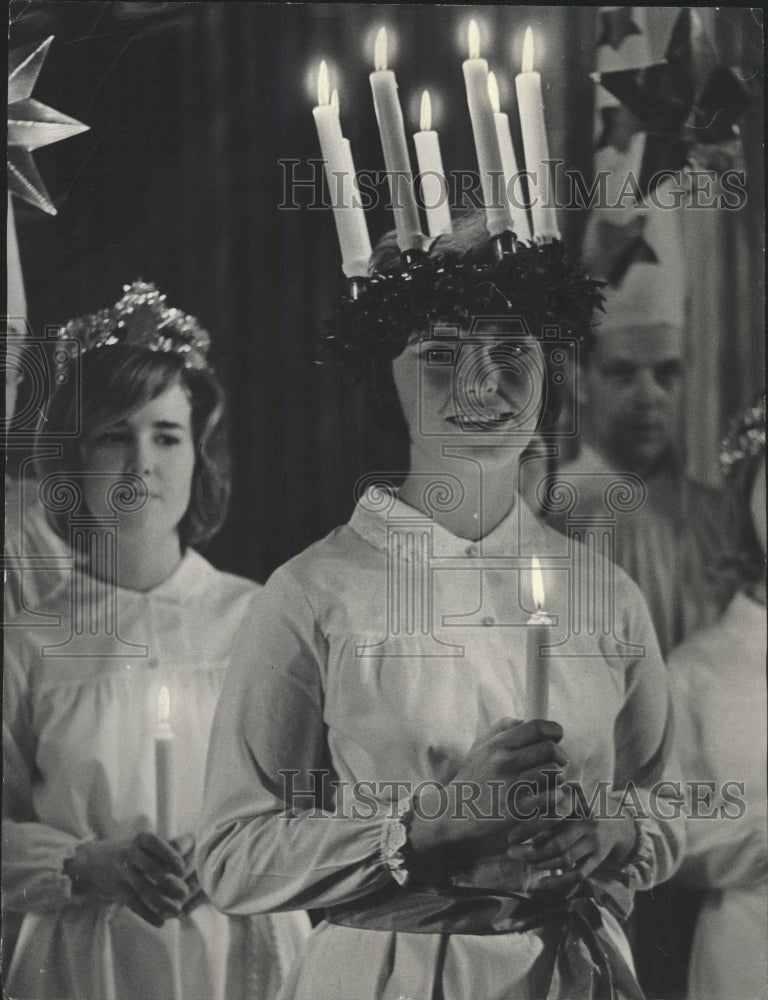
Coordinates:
163 706
335 100
380 51
322 85
426 112
493 92
537 583
474 40
528 51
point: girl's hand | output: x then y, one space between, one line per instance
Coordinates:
185 846
144 873
575 846
507 778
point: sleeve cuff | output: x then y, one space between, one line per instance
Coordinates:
394 838
641 863
34 874
70 897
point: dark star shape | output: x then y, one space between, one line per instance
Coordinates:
615 26
618 125
617 248
684 102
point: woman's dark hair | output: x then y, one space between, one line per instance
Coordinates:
118 380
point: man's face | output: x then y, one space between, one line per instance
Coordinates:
632 389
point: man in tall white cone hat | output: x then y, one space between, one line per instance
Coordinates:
630 388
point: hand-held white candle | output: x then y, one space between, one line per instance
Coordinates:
535 146
165 769
518 216
434 190
475 72
351 227
389 115
537 666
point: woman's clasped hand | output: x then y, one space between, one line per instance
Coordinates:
149 875
513 779
509 778
573 847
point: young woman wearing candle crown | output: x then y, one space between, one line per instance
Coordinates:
370 755
109 707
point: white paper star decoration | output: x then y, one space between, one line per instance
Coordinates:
31 125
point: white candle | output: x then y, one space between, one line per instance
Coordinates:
484 130
434 190
537 666
328 125
351 228
535 146
389 115
165 768
518 215
356 252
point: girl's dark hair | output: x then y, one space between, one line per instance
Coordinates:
120 379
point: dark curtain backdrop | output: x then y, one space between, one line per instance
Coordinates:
190 107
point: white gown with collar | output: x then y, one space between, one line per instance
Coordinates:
719 686
383 669
79 763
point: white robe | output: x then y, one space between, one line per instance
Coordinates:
386 669
719 686
80 723
36 560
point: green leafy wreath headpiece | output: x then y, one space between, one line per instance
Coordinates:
539 282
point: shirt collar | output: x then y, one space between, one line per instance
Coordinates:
188 578
379 513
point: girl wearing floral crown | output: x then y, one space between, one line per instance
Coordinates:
719 686
108 706
373 754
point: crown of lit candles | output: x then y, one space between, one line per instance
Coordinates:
496 159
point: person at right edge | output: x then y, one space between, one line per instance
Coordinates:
719 690
629 393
